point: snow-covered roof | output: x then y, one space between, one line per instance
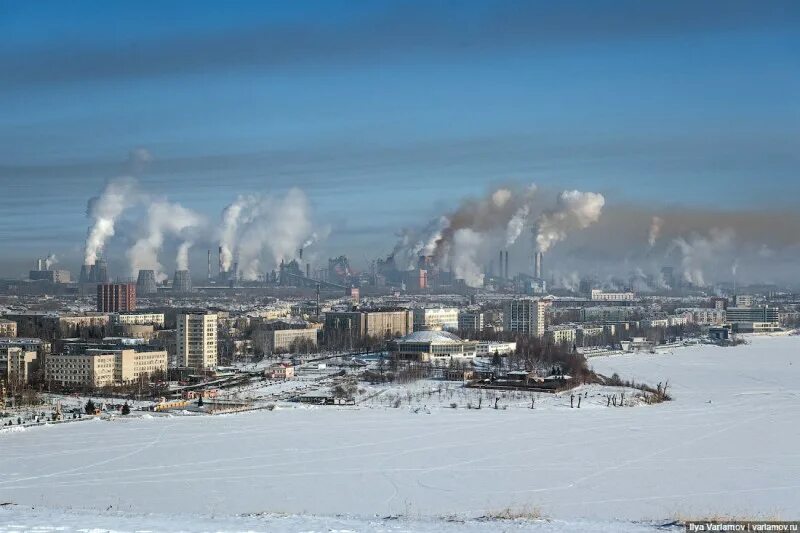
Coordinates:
430 336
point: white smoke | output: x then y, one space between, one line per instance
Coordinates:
230 228
163 219
104 210
575 210
256 224
502 211
655 230
464 256
699 253
50 261
182 258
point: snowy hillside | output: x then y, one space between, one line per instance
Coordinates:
726 445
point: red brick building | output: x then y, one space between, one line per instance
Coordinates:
116 297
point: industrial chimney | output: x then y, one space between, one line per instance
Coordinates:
220 262
500 266
505 272
537 265
209 265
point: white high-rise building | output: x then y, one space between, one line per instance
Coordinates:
525 315
196 341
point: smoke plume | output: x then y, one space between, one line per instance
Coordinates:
163 219
256 224
182 258
50 261
104 210
575 210
655 230
699 253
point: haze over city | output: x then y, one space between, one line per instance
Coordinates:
388 116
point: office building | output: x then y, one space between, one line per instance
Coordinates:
435 318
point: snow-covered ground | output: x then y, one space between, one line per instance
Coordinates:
725 446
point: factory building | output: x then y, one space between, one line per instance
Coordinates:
377 324
116 297
525 315
196 340
436 318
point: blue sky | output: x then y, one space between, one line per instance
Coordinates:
385 113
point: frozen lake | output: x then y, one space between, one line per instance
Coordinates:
726 445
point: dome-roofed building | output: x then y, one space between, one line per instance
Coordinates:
432 346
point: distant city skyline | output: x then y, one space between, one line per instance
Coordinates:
388 115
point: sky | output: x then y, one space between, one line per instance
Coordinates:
387 114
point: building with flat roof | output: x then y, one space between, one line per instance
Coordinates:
102 367
8 328
116 297
284 340
377 324
471 321
599 295
525 315
17 365
139 319
196 340
435 317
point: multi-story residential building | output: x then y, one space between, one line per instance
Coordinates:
42 348
8 328
563 334
378 324
599 295
471 321
17 365
101 367
196 340
525 315
116 297
589 335
435 318
85 370
139 319
283 340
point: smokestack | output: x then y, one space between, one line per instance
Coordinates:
209 265
300 252
308 270
505 272
220 262
500 266
537 265
85 274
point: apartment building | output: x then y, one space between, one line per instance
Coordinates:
525 315
196 340
8 328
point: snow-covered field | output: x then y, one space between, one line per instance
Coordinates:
725 446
